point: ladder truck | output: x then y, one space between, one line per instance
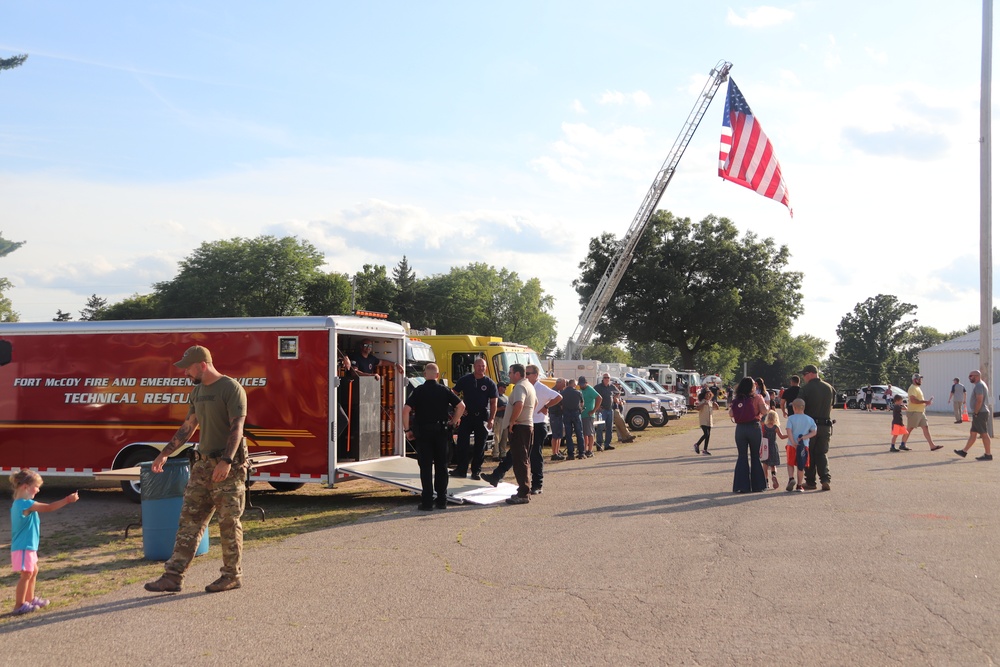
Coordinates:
602 296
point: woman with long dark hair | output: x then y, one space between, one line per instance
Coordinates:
763 392
746 409
704 407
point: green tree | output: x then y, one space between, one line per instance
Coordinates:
653 352
790 355
259 277
95 306
135 307
721 360
608 353
374 290
695 286
328 294
907 362
12 62
7 312
974 327
478 299
7 247
872 342
404 300
62 317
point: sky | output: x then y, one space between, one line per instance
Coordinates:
512 134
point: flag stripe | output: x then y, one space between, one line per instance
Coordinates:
746 156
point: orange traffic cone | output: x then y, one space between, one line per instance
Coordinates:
965 414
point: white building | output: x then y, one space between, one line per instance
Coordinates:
941 364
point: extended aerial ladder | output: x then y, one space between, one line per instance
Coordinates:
602 296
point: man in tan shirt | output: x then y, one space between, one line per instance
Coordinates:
520 408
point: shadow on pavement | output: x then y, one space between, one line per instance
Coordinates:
36 619
690 503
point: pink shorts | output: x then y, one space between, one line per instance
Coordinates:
24 560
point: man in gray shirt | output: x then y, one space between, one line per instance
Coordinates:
981 411
957 398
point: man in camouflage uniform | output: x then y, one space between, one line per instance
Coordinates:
218 406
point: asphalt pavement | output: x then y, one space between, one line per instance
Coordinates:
640 556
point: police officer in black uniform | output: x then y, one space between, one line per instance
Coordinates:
426 420
479 392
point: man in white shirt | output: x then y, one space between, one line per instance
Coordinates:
545 399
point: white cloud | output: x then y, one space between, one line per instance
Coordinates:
880 57
760 17
789 77
587 157
612 97
578 107
639 98
832 58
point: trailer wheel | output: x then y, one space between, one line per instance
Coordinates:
637 420
285 487
134 458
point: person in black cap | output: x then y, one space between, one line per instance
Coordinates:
818 396
429 405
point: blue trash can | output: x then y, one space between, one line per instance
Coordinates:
162 496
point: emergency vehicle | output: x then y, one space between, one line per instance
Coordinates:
85 397
687 382
456 354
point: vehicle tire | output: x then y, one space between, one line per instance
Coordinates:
637 420
861 405
285 487
852 404
660 419
132 459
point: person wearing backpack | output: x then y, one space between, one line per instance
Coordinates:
746 410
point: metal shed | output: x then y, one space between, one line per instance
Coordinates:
941 364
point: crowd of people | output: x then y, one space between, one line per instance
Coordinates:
433 412
571 415
757 414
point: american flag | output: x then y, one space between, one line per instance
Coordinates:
746 156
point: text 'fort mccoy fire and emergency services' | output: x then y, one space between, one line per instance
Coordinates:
98 390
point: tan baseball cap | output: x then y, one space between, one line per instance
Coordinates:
194 355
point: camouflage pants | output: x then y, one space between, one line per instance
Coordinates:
202 498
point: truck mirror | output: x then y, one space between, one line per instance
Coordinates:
6 350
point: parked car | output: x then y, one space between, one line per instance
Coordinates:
879 401
678 407
668 409
640 411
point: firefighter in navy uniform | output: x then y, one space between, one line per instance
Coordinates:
426 420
